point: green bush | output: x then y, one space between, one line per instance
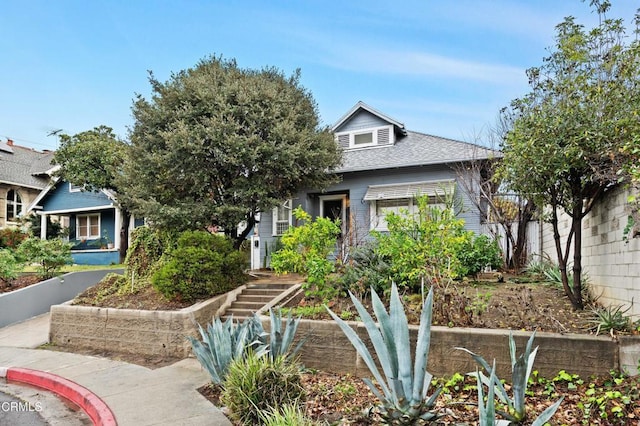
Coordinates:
305 250
423 246
477 253
12 237
256 385
202 265
145 250
288 415
9 266
367 270
49 255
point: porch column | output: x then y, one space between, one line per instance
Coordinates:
116 230
43 226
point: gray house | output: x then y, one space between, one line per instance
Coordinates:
384 167
24 172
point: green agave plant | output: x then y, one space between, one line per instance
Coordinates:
521 368
404 383
281 337
222 342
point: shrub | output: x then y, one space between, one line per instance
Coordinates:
423 246
367 269
12 237
49 255
202 265
305 250
9 266
478 253
145 249
288 415
255 385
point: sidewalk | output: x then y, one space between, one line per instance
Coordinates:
135 394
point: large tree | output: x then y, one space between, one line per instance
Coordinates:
216 144
566 145
94 159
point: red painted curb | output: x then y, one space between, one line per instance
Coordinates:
96 409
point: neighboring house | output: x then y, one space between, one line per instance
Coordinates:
94 219
384 167
24 173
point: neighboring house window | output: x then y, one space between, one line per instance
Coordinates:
88 226
14 205
282 218
381 208
360 139
75 188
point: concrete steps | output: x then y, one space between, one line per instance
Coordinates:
254 297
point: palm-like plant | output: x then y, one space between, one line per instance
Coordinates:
404 384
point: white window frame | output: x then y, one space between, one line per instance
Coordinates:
89 217
288 205
378 223
75 188
374 136
16 203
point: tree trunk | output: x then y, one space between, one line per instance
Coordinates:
576 225
562 261
520 247
251 222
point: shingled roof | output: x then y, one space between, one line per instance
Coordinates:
23 166
414 149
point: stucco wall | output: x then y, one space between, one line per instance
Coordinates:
27 195
612 265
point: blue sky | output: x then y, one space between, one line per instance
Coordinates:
441 67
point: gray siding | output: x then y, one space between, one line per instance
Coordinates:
362 120
356 185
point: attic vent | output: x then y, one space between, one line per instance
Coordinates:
343 141
383 136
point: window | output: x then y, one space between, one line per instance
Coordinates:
88 227
381 208
75 188
363 138
14 205
282 217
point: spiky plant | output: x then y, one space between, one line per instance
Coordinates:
404 382
520 371
223 342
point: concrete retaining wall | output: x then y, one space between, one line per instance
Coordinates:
326 348
36 299
329 350
129 330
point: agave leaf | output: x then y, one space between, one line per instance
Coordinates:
502 392
421 378
519 387
400 329
384 321
374 389
546 415
363 351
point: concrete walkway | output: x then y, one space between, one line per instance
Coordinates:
136 395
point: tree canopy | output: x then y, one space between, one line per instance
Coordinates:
217 144
92 159
570 139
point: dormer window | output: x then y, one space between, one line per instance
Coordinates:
364 138
361 139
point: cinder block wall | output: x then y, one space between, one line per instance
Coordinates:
612 265
128 330
327 349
